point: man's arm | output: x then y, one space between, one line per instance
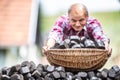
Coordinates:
56 33
50 43
98 34
108 48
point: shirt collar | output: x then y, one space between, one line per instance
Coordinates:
85 28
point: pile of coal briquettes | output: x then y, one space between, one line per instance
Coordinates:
28 70
79 42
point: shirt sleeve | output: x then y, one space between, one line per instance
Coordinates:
57 30
97 31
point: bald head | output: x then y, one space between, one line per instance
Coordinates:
78 8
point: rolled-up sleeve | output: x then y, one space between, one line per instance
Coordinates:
56 33
57 30
97 31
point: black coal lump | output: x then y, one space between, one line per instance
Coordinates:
24 70
89 43
50 68
75 38
36 74
72 43
82 39
83 75
5 77
17 77
115 68
76 46
100 44
32 66
60 68
56 74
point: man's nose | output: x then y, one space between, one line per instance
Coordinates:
78 23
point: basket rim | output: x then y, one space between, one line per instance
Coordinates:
76 52
78 49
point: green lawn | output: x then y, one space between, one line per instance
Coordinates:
48 22
111 25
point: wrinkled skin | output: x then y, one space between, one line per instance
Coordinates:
77 19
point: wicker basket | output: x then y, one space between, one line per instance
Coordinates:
78 59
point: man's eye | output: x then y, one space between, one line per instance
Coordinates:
73 20
81 20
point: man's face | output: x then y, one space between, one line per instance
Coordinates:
77 20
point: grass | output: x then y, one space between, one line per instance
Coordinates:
111 25
48 22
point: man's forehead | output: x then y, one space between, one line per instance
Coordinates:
77 16
78 9
77 13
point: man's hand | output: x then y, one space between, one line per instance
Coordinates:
50 43
45 49
108 48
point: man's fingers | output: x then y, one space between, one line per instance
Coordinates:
109 52
109 49
44 49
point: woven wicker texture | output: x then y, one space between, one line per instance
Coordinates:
78 59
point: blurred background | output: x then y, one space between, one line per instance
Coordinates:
24 27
